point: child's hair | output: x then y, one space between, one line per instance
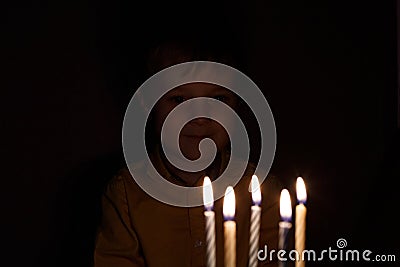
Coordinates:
175 49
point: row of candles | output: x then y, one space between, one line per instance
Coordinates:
230 225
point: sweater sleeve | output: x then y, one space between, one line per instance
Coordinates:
117 243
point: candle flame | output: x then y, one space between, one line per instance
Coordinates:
301 190
255 190
208 197
229 204
285 206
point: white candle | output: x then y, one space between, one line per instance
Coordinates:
229 228
208 199
300 226
285 224
254 221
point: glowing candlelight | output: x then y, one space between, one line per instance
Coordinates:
229 227
254 221
255 190
285 224
208 199
285 206
300 226
208 196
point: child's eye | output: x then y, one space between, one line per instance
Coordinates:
178 99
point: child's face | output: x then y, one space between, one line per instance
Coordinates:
196 130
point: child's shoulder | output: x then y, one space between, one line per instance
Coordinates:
123 176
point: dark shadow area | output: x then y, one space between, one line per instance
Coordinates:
77 212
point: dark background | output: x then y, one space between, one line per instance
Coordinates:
328 70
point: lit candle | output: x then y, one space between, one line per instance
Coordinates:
229 228
300 226
254 221
208 199
285 224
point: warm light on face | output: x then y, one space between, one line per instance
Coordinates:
285 206
301 191
255 190
208 197
229 204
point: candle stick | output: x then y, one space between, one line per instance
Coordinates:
254 221
285 224
300 226
208 199
229 228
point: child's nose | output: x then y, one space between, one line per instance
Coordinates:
200 108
